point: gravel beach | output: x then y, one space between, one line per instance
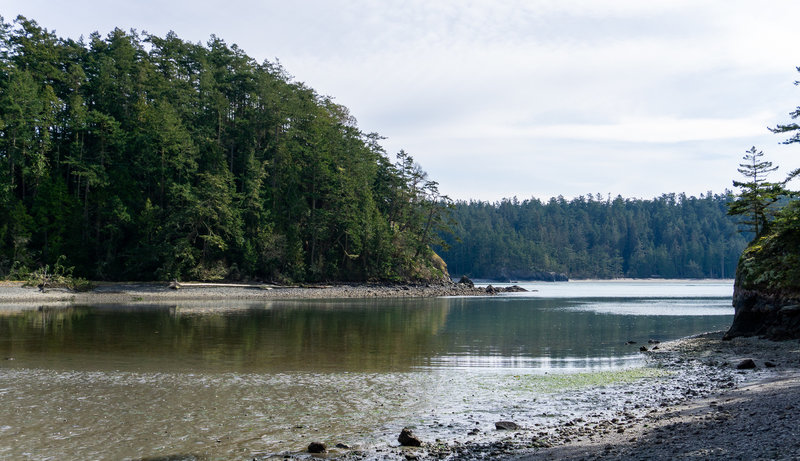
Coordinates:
731 413
14 293
701 407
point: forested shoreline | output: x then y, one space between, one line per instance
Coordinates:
138 157
671 236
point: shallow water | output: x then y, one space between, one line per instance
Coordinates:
237 380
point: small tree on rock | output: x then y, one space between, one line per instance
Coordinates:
757 196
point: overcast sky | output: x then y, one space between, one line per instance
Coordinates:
518 98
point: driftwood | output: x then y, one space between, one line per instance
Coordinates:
176 285
261 286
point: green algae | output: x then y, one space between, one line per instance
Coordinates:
551 383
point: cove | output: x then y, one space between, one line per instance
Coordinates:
248 379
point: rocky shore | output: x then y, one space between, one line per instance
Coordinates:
732 411
707 404
107 293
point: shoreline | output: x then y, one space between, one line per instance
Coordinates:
14 293
750 416
702 407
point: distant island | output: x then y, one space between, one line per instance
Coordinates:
671 236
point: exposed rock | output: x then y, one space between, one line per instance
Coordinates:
770 364
408 439
317 447
491 290
466 281
506 426
343 446
746 364
760 314
766 294
514 289
643 349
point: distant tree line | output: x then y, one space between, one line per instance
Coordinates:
671 236
144 157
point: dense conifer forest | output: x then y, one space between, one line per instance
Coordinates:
671 236
136 157
133 156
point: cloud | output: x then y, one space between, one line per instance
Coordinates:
519 97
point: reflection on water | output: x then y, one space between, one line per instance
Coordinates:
321 336
353 335
236 380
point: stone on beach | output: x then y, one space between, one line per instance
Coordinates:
746 364
506 426
408 439
317 447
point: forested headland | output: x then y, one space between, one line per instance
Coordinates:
137 157
671 236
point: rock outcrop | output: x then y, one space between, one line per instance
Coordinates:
466 281
766 294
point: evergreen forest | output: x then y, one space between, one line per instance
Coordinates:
671 236
137 157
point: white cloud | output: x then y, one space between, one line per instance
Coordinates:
518 97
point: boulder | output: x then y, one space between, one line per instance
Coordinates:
746 364
491 290
514 289
317 447
506 426
466 281
408 439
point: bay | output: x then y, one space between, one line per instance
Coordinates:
245 379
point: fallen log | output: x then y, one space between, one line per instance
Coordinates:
176 285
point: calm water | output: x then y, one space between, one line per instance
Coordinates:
247 379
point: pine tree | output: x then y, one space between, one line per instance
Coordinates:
757 195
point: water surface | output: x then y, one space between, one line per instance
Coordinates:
243 379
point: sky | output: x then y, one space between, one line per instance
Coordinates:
510 98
